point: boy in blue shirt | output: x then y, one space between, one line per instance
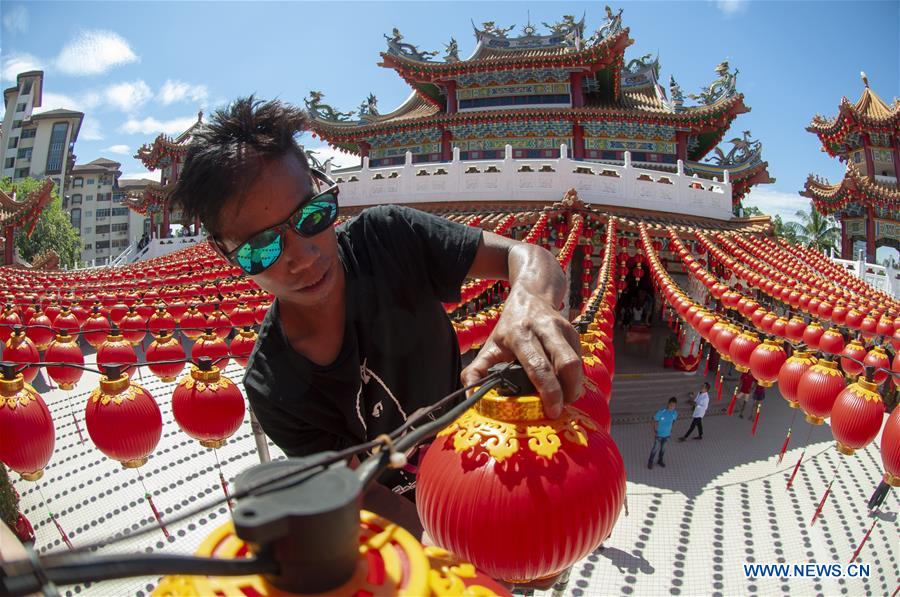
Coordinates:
662 425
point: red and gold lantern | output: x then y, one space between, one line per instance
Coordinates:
212 346
766 362
165 348
741 348
790 374
116 350
64 349
879 360
890 449
517 480
242 345
20 349
27 434
831 342
856 416
208 406
123 419
812 334
818 389
853 352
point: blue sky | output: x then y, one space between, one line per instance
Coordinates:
138 69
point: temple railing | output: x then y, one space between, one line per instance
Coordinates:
544 179
885 279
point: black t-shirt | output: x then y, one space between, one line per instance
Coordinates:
399 351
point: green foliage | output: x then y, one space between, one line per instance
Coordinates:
784 230
815 231
752 211
53 230
9 503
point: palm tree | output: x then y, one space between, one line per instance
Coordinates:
814 230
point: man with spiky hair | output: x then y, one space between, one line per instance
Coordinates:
356 339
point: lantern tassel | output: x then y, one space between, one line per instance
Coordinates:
62 533
77 428
784 446
706 366
733 401
156 514
756 419
691 351
821 503
796 468
719 392
863 542
225 491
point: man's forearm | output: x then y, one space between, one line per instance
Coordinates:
536 271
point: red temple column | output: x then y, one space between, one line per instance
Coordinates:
681 138
8 250
446 146
870 163
896 155
164 232
575 80
870 235
577 141
846 243
452 104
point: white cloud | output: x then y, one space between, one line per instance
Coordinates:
128 97
155 175
15 20
150 125
119 149
731 7
94 53
340 159
776 203
176 91
18 62
90 130
81 103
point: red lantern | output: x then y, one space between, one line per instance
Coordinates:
220 323
27 434
856 416
812 334
818 389
193 323
212 346
794 329
64 349
242 316
161 321
96 328
766 361
165 348
831 342
597 373
790 374
40 330
767 321
20 349
853 350
723 340
839 313
878 359
854 319
890 449
116 350
134 327
242 345
868 327
10 318
122 419
741 348
519 481
66 322
208 406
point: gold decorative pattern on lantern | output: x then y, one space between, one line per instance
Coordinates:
15 392
116 391
205 380
501 426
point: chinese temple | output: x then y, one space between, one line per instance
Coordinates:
165 154
559 94
866 136
21 213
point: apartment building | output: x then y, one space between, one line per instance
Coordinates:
94 201
36 144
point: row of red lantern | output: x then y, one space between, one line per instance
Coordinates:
795 330
123 420
868 325
819 263
818 387
786 269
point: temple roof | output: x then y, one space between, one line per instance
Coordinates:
150 154
26 212
869 112
855 188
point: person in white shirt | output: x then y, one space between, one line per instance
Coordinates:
701 403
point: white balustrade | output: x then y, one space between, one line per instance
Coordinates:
509 179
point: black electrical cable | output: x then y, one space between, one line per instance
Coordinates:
68 569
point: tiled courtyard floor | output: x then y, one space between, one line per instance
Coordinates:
720 503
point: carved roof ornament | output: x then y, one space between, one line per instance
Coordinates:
677 94
322 111
723 87
314 162
452 50
568 27
401 48
491 28
637 65
368 108
611 26
743 150
865 79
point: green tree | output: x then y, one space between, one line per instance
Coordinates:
752 211
53 230
815 231
784 230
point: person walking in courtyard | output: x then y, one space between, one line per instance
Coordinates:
745 386
662 426
701 403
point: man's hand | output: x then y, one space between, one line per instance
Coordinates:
531 331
